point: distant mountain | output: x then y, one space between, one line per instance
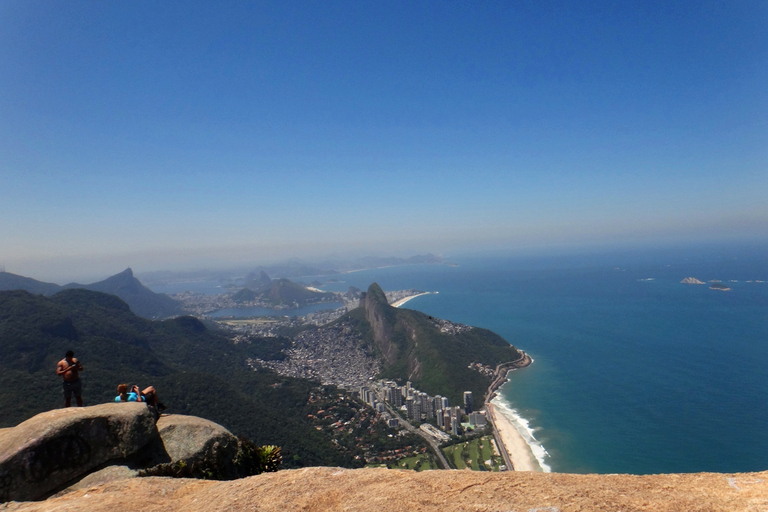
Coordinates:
10 281
291 269
258 282
196 371
372 262
295 268
245 295
433 354
142 301
281 292
284 291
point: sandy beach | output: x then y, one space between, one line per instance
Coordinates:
517 449
402 301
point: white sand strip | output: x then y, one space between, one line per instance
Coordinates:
517 449
402 301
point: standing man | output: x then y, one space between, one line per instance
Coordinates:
69 368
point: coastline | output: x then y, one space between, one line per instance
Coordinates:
500 374
402 301
519 453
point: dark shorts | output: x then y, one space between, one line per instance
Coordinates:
75 387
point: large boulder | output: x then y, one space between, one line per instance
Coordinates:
45 452
199 443
186 446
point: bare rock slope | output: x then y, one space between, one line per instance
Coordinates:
52 448
84 446
333 489
102 447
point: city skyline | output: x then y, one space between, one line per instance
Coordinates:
190 135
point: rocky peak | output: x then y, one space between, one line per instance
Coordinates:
382 317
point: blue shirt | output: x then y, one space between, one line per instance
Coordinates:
132 397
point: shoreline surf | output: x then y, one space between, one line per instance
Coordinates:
525 451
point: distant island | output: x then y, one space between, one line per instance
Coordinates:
715 284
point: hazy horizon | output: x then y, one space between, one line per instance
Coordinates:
672 252
196 135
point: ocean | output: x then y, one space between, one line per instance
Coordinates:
633 371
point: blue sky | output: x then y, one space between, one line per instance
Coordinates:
163 135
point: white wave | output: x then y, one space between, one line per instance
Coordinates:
523 427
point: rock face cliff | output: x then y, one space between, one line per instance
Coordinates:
102 443
433 354
382 318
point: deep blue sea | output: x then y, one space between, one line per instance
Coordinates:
633 371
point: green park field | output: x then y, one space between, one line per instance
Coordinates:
478 455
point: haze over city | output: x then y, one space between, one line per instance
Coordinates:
181 135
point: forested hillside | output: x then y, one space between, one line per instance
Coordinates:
433 354
196 371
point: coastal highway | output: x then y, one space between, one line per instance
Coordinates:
500 378
500 443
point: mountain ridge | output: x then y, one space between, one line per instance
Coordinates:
433 354
196 371
142 301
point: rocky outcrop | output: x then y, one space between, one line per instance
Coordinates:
691 280
434 354
381 316
334 489
384 321
197 441
83 446
53 448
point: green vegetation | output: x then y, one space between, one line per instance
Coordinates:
142 301
250 460
421 462
357 432
280 292
435 362
269 348
196 371
283 291
245 295
477 454
200 372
